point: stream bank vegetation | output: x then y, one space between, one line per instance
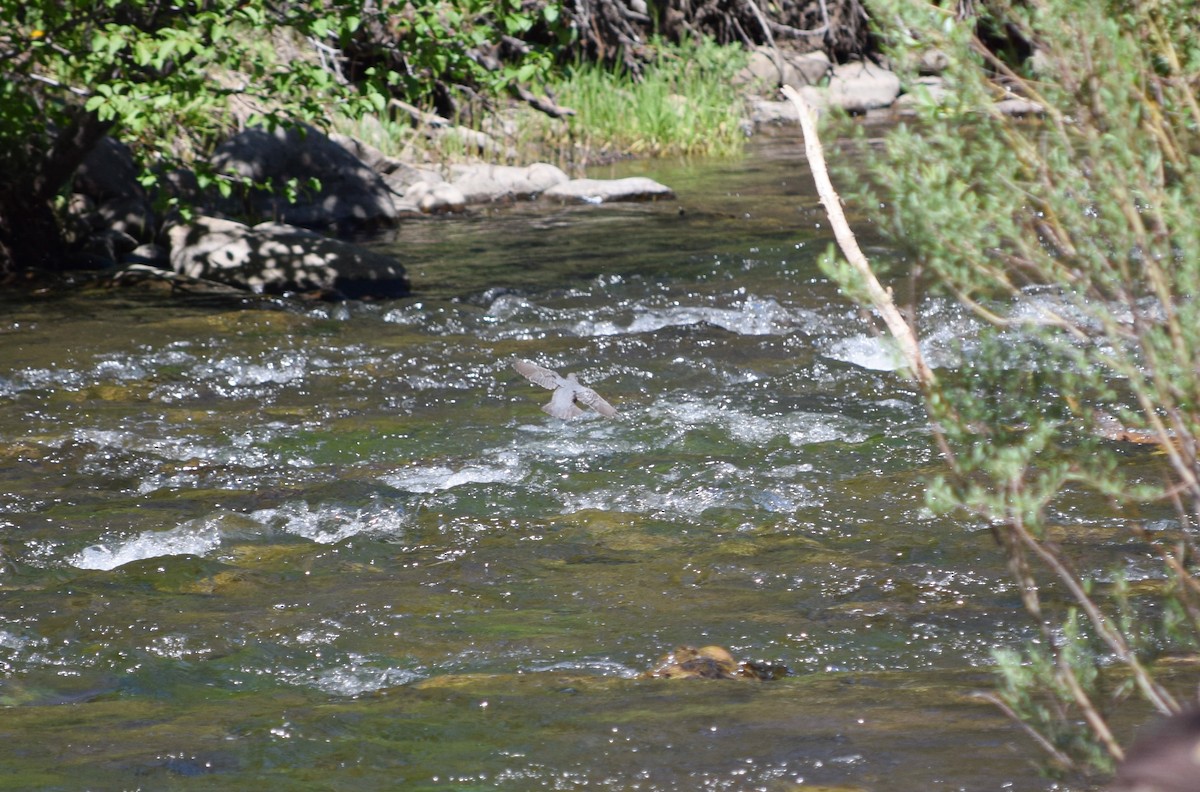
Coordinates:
683 101
172 80
1074 419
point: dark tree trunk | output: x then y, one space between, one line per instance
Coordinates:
31 237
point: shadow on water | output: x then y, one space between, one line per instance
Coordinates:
340 547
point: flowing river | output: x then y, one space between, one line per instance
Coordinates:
297 546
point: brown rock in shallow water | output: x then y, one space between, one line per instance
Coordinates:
711 662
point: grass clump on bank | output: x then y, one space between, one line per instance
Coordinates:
685 103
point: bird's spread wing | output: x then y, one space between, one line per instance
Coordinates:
596 402
537 374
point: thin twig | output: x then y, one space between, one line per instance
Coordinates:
57 84
1033 733
1157 695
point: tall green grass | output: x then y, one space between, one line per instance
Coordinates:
684 103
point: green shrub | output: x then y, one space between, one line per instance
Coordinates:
1072 237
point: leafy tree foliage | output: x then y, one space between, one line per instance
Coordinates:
158 75
169 78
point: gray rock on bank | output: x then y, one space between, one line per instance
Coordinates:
854 87
863 87
438 197
482 183
275 258
859 87
110 201
594 191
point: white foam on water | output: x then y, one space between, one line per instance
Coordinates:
332 524
13 642
690 499
238 372
755 317
744 426
432 478
178 646
810 428
356 678
123 368
637 499
866 351
586 436
508 306
601 666
195 537
37 378
785 499
412 314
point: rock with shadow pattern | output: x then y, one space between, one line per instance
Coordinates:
711 662
276 258
332 187
110 213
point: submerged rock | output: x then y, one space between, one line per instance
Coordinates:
277 258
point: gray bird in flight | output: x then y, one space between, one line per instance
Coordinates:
567 391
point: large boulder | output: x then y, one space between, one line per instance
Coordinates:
633 188
488 183
278 162
277 258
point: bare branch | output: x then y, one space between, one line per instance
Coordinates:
881 298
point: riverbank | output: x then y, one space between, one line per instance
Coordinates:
293 199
